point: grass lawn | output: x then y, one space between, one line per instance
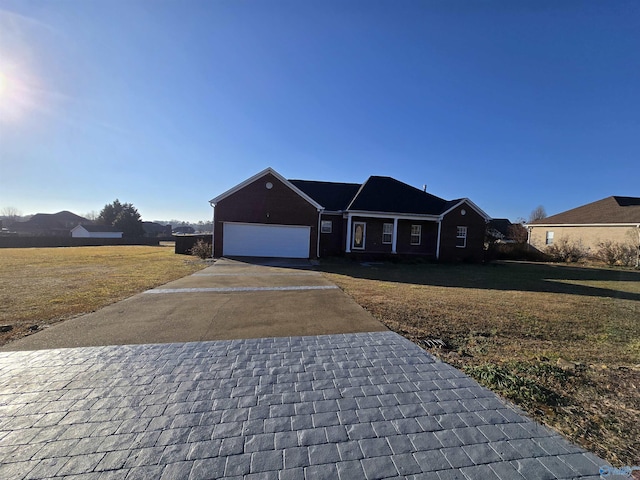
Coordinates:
41 286
562 342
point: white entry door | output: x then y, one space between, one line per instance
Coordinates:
359 235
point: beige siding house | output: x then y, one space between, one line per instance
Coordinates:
615 219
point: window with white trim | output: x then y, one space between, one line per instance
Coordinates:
387 233
326 226
461 237
549 238
416 234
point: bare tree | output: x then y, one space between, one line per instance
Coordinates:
92 215
517 233
11 214
537 214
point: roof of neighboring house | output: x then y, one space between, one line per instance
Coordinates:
154 227
501 225
55 219
99 228
331 195
609 210
49 223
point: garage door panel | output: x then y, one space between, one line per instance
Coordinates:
259 240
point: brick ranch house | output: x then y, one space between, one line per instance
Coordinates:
615 219
270 216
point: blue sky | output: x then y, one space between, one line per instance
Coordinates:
166 104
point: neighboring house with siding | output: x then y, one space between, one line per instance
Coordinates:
615 219
270 216
95 231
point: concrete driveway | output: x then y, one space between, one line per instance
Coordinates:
230 300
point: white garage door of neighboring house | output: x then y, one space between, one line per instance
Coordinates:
259 240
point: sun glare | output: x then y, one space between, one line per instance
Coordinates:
3 85
14 98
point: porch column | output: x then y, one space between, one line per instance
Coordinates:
348 245
438 241
394 242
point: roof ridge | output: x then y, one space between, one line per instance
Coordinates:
358 193
323 181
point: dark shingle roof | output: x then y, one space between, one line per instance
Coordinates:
377 194
500 224
331 195
55 219
608 210
386 194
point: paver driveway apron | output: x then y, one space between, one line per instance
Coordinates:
367 405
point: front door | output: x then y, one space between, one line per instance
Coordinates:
359 233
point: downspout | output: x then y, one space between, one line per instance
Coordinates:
318 234
638 248
394 242
213 229
438 242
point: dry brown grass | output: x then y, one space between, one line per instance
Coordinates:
41 286
508 324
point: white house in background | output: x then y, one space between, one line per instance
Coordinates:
95 231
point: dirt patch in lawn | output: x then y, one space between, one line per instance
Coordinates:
42 286
562 342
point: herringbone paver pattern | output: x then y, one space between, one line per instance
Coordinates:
369 405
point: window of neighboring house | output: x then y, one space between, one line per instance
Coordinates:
416 234
549 240
461 237
387 233
326 226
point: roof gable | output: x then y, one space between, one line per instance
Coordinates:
386 194
259 175
453 204
606 211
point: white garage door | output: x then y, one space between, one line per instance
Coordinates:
259 240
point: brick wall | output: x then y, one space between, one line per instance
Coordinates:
588 236
476 229
255 203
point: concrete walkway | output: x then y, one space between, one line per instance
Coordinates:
368 405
